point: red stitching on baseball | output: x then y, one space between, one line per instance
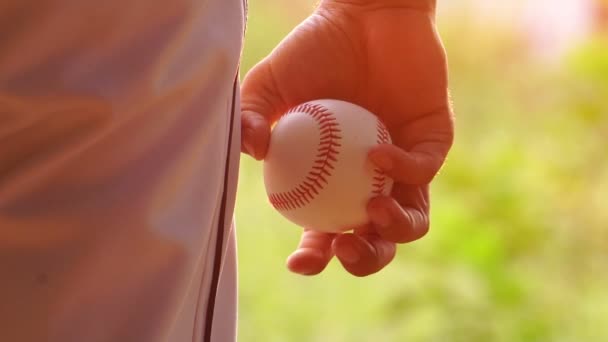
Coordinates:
382 137
327 155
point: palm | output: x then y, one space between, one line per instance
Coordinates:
396 68
389 61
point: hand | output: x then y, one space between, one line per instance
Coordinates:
385 56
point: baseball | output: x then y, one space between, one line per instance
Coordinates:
316 171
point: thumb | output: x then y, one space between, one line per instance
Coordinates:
255 134
261 105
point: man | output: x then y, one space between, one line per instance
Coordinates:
119 128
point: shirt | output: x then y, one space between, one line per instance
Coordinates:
119 147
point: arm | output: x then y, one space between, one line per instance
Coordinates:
384 55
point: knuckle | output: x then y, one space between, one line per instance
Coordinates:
404 233
359 274
423 231
362 272
401 236
430 170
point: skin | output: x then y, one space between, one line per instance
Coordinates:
386 56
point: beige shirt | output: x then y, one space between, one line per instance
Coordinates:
118 168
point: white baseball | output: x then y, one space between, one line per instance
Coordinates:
316 171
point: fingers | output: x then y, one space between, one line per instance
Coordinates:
255 134
395 223
371 248
419 148
406 167
313 253
261 104
363 255
260 93
415 167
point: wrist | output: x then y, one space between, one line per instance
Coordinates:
421 5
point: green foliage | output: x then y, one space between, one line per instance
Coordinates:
518 249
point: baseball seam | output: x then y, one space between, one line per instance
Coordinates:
382 137
326 157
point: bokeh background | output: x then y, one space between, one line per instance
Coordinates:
518 248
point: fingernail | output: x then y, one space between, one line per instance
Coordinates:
381 217
349 254
381 160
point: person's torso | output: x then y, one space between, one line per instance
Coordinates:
114 132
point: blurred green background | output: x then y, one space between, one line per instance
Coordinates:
518 248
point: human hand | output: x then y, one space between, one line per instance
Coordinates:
383 55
